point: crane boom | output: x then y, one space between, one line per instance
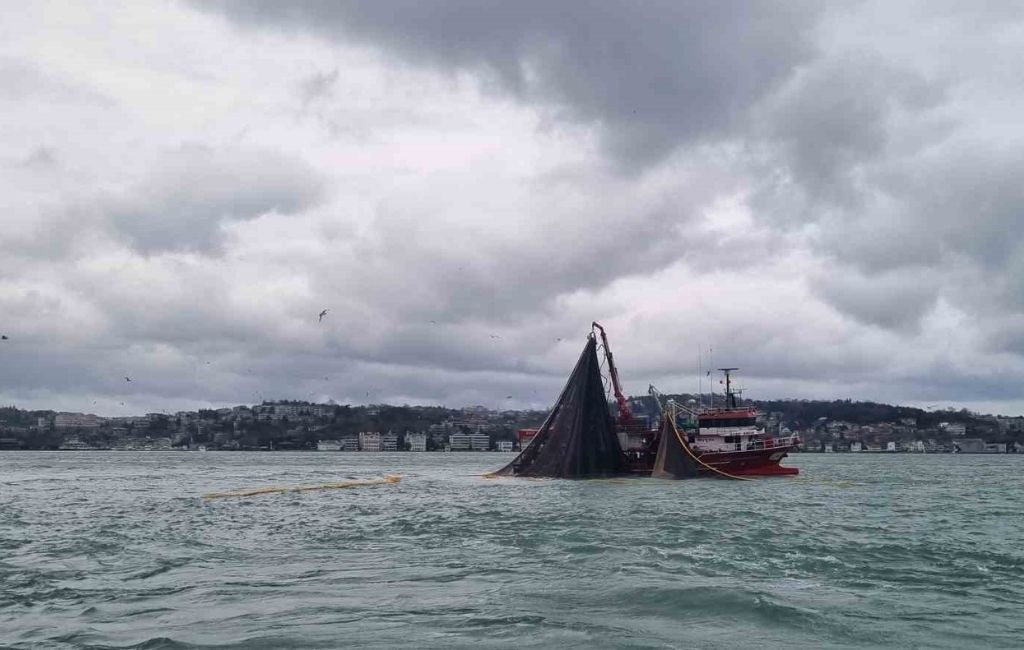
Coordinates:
625 413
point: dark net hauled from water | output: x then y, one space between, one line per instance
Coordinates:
673 459
577 440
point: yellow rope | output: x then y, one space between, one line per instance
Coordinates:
687 448
390 478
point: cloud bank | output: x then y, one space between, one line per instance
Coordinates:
826 194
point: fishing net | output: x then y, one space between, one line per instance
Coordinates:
577 440
673 460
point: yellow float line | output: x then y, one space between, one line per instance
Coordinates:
390 478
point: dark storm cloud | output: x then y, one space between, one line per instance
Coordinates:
193 190
838 115
651 76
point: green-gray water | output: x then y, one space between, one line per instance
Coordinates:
101 550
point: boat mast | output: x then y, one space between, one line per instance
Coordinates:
711 384
730 397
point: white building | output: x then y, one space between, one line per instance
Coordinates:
504 445
350 443
891 446
389 442
76 421
459 442
856 445
369 441
416 441
328 445
469 441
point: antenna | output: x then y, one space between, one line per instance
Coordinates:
711 384
730 396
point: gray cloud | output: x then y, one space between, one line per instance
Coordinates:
651 78
194 190
838 115
22 79
895 300
319 85
826 193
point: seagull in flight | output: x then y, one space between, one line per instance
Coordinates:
127 378
322 314
3 337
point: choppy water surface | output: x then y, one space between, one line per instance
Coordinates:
118 550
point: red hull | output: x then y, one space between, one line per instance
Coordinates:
758 462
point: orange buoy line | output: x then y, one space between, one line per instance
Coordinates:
390 478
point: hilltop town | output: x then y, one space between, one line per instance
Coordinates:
823 426
277 425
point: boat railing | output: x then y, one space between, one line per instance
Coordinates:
771 443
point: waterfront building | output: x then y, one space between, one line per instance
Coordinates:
350 443
369 441
416 441
504 445
76 421
1006 424
389 442
74 444
970 446
953 428
328 445
469 442
459 442
525 436
479 441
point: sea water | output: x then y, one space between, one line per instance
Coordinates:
120 550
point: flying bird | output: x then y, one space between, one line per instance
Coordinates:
3 337
127 378
322 314
508 397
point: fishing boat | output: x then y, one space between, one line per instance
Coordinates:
724 439
580 438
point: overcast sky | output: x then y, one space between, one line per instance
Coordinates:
829 195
